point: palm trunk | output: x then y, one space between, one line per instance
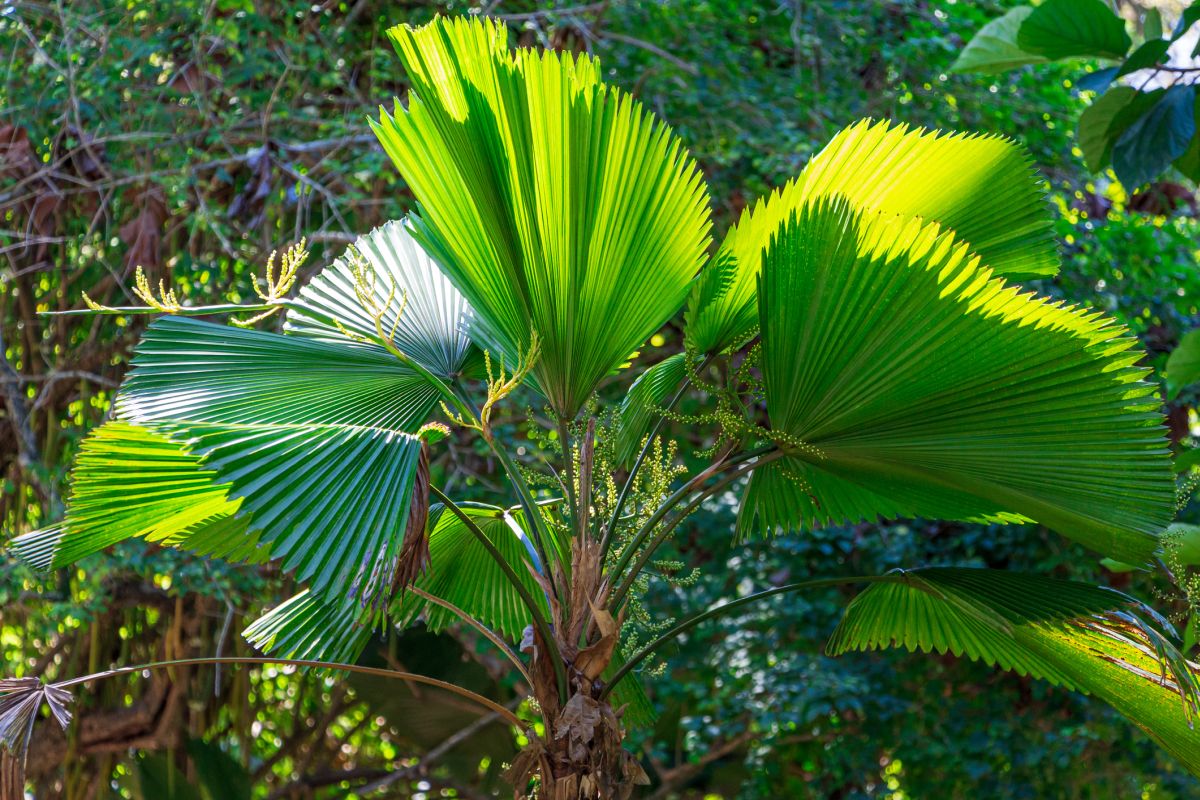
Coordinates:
582 756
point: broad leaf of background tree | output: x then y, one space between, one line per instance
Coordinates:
982 187
551 201
929 388
1107 118
1082 637
1068 28
1149 54
1183 365
994 48
1154 140
1188 162
432 327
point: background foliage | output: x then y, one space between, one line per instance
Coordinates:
195 137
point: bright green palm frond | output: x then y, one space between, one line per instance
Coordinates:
464 574
984 188
429 315
131 482
642 406
187 369
1082 637
920 385
555 204
310 627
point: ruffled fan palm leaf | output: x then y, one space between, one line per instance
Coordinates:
984 188
641 407
1081 637
130 482
429 315
251 445
555 204
464 574
908 381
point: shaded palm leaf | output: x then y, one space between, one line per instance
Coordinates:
186 369
310 627
1081 637
299 439
630 696
554 203
431 329
923 386
464 574
331 501
643 405
983 188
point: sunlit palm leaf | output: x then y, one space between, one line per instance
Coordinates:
1074 635
922 386
131 482
984 188
553 202
432 327
464 574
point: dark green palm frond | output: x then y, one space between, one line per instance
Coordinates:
983 188
554 203
631 696
1082 637
249 442
185 369
464 574
429 315
920 385
314 628
331 501
649 392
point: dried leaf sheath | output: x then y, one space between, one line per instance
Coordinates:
414 552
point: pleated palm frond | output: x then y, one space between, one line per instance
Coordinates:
310 627
1081 637
649 392
244 443
331 501
984 188
186 369
555 204
911 382
433 316
130 482
463 573
631 696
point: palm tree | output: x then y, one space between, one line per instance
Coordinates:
858 337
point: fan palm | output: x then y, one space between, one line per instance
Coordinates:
857 336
